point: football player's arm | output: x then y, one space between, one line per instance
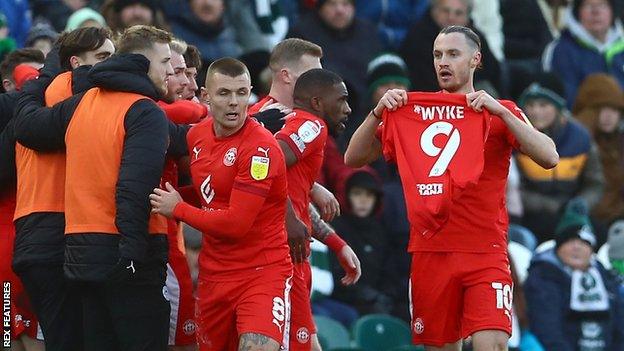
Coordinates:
289 155
231 223
364 146
142 161
42 128
348 260
177 140
184 111
531 142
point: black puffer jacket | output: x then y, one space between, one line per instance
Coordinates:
95 256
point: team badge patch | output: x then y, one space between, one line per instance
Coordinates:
259 167
303 335
189 327
309 131
419 326
230 157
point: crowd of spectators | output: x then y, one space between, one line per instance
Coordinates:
561 60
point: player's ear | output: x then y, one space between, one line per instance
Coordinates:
476 60
316 103
285 75
74 61
203 95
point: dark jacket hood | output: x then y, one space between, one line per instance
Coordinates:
124 72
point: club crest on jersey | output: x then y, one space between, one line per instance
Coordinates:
309 130
259 167
230 157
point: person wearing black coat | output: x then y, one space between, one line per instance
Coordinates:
122 273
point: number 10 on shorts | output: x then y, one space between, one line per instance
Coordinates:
504 297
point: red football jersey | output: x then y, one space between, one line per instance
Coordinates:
249 160
306 135
477 219
255 108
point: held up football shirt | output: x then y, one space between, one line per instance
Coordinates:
471 215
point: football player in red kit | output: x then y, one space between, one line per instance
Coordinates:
238 170
460 280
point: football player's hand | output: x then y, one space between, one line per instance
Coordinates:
272 104
164 201
325 201
298 238
351 264
392 100
481 99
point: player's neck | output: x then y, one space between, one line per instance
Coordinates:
465 89
222 132
282 95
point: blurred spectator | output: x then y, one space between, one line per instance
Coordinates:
121 14
85 17
417 46
7 44
485 15
202 23
259 25
41 37
393 18
591 43
348 43
599 106
359 226
578 175
56 11
572 299
32 57
616 249
526 37
18 17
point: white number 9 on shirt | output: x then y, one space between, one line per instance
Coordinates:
446 154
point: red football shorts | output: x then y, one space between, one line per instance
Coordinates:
259 304
22 317
453 295
180 292
301 322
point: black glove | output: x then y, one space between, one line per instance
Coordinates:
271 119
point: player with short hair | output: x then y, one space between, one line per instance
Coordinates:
239 171
460 278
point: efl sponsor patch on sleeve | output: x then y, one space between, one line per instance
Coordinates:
259 167
298 141
309 131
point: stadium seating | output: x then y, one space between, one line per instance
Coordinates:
380 332
332 334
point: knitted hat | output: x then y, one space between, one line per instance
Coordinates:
616 240
574 224
598 90
39 31
120 4
81 16
547 86
364 180
386 68
23 73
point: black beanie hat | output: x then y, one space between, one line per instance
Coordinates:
546 86
386 68
575 224
364 180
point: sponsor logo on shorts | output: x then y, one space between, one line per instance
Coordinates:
303 335
189 327
230 157
504 297
165 293
279 312
419 326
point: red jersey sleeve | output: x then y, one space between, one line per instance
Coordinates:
303 136
517 111
258 167
384 134
184 111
